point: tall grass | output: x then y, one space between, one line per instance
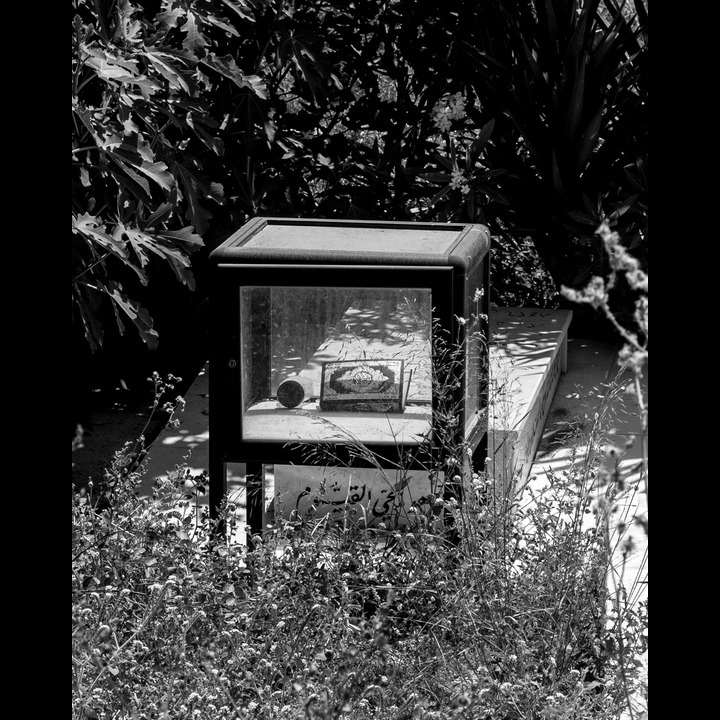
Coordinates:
476 606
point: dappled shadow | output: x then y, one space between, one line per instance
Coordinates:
529 336
593 437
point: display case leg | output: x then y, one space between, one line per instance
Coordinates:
480 454
255 495
216 493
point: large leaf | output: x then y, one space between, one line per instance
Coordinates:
172 68
308 61
435 177
228 68
87 301
92 228
130 159
186 237
589 140
137 314
176 259
241 8
195 41
479 143
193 189
160 214
119 71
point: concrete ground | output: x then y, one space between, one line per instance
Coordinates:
588 405
589 409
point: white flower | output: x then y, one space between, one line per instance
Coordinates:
449 108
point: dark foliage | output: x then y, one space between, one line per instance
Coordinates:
192 116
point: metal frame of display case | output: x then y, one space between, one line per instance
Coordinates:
234 266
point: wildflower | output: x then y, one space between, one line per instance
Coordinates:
641 311
441 118
634 358
610 238
637 279
594 294
449 108
458 181
456 105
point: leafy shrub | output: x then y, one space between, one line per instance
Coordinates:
145 138
189 118
567 82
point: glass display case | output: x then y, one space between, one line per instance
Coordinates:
322 332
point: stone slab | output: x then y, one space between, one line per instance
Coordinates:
528 354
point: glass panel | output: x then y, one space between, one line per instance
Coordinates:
321 363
